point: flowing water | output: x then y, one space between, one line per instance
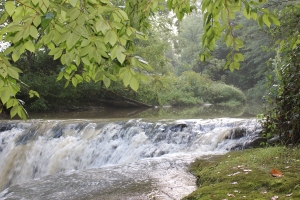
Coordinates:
111 159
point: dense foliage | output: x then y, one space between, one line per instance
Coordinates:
188 89
283 108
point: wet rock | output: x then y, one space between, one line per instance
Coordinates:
256 142
58 133
178 127
23 139
237 133
6 127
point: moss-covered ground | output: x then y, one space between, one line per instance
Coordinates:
247 175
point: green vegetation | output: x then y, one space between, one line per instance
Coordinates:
283 108
186 90
247 175
53 95
97 40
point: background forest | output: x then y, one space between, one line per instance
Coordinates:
179 77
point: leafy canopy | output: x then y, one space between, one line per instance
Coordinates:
94 39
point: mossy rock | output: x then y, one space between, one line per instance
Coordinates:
246 175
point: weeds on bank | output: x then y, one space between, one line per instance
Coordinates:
268 173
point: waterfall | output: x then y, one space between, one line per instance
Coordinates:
41 150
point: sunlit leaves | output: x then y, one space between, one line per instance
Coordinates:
33 93
13 72
87 36
134 83
266 20
10 7
29 46
216 11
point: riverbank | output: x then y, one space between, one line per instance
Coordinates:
262 173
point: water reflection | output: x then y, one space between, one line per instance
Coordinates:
203 112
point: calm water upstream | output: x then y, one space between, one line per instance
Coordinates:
140 154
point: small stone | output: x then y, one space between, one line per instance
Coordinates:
288 195
274 198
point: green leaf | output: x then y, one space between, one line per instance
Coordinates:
205 5
33 93
35 2
16 55
110 76
29 46
127 78
122 14
10 7
234 65
14 111
67 84
141 35
79 78
106 81
33 32
238 57
18 37
72 40
246 14
238 26
22 113
229 40
58 54
1 83
113 52
73 3
86 61
44 5
74 81
13 72
19 14
37 20
3 70
254 15
224 15
11 102
134 84
13 28
5 96
3 17
274 20
266 20
74 13
260 20
120 56
60 76
111 37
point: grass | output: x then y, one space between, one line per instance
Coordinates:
247 175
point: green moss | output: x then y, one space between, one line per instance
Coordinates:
246 175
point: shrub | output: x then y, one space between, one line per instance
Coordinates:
220 92
188 89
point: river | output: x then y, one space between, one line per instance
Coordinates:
139 156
